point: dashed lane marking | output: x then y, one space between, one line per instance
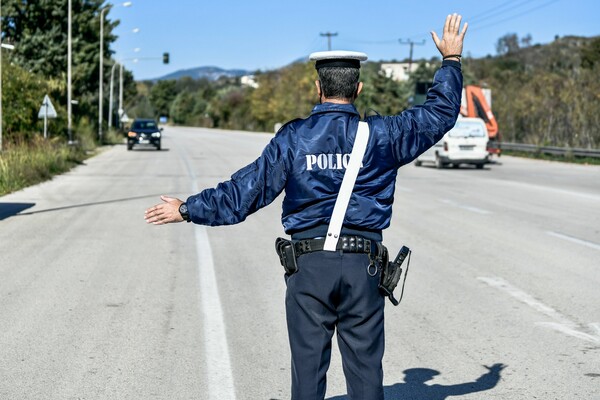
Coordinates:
574 240
562 324
466 207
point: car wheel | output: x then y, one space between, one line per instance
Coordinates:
158 146
438 162
129 146
479 166
455 165
418 163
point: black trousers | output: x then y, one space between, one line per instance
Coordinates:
334 290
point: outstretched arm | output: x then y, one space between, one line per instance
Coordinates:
248 190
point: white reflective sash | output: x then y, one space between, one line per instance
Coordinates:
341 203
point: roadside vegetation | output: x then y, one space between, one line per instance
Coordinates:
550 157
546 95
37 67
35 161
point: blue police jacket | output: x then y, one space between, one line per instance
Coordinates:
307 159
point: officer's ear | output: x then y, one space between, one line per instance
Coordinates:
359 87
318 85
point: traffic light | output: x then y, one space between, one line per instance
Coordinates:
165 58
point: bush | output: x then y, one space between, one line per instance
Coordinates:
28 163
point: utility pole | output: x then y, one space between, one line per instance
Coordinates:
121 111
110 101
329 35
69 87
410 57
0 75
2 46
101 74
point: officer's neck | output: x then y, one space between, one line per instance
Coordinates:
335 101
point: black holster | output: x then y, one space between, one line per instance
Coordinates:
391 273
287 255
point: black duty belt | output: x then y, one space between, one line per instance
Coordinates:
348 244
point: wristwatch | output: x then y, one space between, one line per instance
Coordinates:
183 210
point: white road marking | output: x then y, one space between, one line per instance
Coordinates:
571 331
220 378
562 324
574 240
466 207
530 186
218 366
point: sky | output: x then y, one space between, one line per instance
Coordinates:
269 34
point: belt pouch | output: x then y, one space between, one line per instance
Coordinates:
287 255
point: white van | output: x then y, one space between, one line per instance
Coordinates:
466 143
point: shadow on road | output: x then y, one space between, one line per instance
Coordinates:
10 209
415 388
149 149
14 209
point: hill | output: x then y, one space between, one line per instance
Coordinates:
211 73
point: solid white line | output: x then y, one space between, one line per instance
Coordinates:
466 207
218 366
220 378
563 324
574 240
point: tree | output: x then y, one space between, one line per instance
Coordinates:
162 95
590 54
22 96
507 44
39 31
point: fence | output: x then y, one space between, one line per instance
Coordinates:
557 151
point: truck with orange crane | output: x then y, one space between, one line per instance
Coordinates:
477 103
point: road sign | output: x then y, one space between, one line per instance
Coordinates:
47 109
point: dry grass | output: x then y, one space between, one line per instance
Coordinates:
26 164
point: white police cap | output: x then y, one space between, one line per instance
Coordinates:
338 58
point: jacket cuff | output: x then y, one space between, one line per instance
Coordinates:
451 63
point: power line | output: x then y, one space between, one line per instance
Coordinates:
474 18
477 28
482 15
500 14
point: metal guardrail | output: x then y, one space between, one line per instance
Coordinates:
557 151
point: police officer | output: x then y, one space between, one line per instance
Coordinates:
334 290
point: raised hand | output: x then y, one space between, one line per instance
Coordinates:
451 43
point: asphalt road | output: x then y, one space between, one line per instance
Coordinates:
96 304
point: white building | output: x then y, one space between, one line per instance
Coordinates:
399 71
248 80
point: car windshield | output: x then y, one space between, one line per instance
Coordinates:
144 125
467 129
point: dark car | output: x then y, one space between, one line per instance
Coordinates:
144 131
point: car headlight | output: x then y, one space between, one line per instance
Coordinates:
132 134
156 135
